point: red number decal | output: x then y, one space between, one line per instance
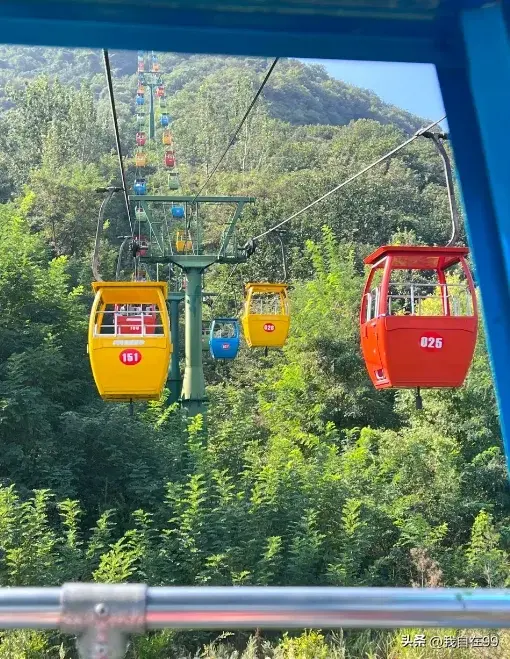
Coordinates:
130 357
269 327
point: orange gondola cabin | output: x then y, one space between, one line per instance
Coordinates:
419 317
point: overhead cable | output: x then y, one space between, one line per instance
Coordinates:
117 136
234 137
99 230
349 180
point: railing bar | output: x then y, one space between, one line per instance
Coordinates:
248 607
416 296
281 608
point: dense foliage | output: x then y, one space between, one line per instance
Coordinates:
303 474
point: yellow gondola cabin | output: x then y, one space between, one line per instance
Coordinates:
182 244
141 159
266 318
129 342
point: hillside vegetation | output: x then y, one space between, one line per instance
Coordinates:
304 474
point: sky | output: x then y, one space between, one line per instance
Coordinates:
412 87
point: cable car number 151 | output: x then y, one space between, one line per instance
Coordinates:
130 357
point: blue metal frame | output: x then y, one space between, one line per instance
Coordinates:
477 100
468 41
401 31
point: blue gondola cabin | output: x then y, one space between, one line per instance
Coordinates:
177 211
140 186
224 338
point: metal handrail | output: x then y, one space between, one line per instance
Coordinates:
426 283
117 333
103 614
223 334
268 305
450 295
129 314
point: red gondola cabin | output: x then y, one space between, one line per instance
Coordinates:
141 138
135 319
144 245
169 159
418 333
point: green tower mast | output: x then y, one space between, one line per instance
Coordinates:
193 263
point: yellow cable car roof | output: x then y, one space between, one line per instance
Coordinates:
143 292
265 286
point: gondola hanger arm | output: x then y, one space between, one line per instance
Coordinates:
437 139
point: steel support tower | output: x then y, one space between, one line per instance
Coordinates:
193 265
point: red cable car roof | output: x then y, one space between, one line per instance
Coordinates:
417 257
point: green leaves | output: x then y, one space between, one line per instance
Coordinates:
118 564
488 564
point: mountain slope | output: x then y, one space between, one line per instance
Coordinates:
296 92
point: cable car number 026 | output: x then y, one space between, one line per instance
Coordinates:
431 342
269 327
130 357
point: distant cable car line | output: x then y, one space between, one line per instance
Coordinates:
233 139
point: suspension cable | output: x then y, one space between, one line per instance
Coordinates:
117 136
119 259
99 230
349 180
233 139
284 260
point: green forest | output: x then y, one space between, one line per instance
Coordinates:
304 474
